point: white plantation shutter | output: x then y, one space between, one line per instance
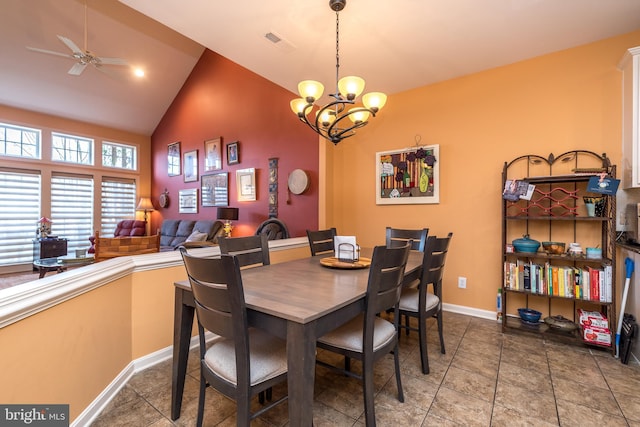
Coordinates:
19 214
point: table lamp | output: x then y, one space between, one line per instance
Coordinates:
146 206
228 215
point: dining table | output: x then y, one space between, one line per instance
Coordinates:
298 301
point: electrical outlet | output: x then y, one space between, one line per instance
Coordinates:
462 282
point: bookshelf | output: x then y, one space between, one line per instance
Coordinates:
560 286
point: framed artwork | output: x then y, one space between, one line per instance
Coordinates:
215 189
408 176
233 153
173 159
246 183
190 165
188 201
213 155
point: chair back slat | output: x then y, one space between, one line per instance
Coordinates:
386 276
250 250
433 262
321 241
396 237
217 290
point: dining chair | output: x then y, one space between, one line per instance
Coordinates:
243 362
422 304
321 241
369 337
250 250
400 237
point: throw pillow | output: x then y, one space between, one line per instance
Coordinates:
197 236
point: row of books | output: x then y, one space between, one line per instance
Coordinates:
588 283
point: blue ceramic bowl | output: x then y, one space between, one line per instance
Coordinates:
529 315
526 245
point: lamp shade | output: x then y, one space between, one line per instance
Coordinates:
228 214
145 205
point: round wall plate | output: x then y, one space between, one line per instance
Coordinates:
298 181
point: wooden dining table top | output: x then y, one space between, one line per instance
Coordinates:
303 290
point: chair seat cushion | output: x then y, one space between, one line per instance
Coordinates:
409 300
268 357
349 335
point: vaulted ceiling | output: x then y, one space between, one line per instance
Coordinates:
395 45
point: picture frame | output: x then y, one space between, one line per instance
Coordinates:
233 153
408 176
246 184
190 165
214 189
173 159
213 154
188 201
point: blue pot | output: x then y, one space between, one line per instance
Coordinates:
526 245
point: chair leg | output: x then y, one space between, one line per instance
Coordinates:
439 319
347 364
407 323
396 358
424 357
261 398
367 385
200 417
243 416
269 394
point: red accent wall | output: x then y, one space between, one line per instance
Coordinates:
222 99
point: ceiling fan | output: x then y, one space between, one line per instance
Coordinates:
83 57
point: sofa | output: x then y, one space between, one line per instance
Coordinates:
189 233
124 228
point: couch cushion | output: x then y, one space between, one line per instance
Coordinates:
197 236
130 227
168 231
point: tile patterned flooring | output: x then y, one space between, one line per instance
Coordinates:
486 378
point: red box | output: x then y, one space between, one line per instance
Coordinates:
595 335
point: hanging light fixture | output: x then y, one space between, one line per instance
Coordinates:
331 120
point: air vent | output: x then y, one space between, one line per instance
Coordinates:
272 37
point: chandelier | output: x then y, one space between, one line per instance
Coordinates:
331 120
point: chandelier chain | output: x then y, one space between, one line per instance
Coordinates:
337 49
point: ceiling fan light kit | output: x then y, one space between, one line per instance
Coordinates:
329 120
83 57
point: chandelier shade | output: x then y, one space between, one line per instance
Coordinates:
329 120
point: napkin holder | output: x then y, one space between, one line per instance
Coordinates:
346 248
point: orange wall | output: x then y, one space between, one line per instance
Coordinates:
221 98
551 104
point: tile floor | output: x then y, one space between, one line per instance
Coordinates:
485 379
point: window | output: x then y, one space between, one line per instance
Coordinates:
72 209
118 202
118 155
19 141
19 214
71 149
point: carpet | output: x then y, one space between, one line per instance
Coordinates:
9 280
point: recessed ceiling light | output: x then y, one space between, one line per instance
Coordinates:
139 72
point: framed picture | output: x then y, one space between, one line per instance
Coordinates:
408 176
190 164
213 155
233 153
215 189
188 201
173 159
246 182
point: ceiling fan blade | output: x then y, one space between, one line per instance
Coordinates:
49 52
70 44
112 61
77 69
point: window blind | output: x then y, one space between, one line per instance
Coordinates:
19 214
118 202
72 209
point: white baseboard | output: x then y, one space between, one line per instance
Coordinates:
92 411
